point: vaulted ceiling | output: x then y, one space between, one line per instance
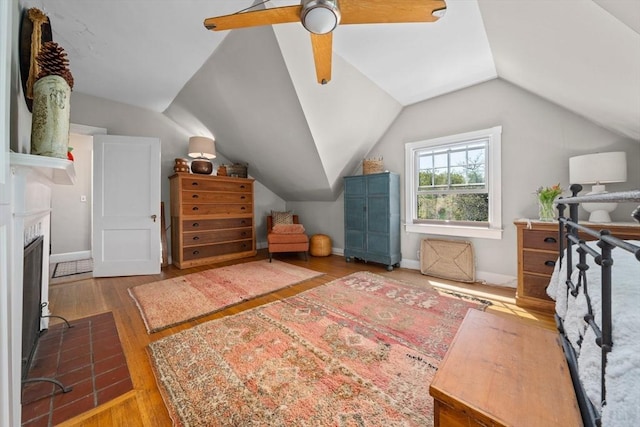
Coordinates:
255 90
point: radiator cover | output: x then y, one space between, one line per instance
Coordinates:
448 259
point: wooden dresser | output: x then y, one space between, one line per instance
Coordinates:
211 219
502 371
537 254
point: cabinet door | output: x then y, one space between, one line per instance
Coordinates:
354 222
378 225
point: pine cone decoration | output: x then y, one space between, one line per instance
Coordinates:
53 61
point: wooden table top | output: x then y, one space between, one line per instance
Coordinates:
504 371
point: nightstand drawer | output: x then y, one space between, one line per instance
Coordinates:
536 286
539 262
540 239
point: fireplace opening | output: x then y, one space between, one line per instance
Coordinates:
32 309
31 301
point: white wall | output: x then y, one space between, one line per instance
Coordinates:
537 140
70 216
122 119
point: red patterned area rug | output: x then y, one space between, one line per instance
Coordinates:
172 301
361 350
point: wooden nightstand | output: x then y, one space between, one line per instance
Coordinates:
537 255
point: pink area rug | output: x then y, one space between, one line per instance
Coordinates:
172 301
358 351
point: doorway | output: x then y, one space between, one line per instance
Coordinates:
108 223
71 212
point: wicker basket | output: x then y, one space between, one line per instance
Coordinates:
373 165
237 169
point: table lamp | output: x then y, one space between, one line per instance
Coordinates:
598 169
202 149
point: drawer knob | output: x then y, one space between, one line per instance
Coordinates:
195 208
196 238
244 233
242 197
243 222
194 183
195 196
196 252
195 224
243 208
242 186
550 263
550 240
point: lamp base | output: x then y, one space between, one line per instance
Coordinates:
600 216
201 166
599 212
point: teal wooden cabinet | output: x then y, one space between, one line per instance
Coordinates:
372 218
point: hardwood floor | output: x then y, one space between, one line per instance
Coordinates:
144 406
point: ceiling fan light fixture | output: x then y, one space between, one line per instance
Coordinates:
320 16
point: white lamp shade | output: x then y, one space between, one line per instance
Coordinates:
599 168
203 147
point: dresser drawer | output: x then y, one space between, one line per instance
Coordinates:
539 262
215 197
196 252
205 185
210 224
215 236
540 239
217 209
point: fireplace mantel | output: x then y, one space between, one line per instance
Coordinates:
58 171
32 178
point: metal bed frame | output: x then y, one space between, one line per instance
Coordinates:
568 232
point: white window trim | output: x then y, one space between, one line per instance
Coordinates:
494 177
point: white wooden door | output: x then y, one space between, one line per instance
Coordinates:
126 208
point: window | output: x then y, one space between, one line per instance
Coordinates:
453 185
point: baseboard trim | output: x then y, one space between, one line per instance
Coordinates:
69 256
485 277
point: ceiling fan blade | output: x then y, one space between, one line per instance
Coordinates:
256 18
389 11
322 53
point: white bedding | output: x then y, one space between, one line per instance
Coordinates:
622 377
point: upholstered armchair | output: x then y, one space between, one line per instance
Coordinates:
286 237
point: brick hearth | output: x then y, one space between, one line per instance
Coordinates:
88 357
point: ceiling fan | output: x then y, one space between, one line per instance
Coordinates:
321 17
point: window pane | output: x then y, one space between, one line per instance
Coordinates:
458 175
426 162
458 158
453 207
440 160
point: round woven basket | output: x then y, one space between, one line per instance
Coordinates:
320 245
